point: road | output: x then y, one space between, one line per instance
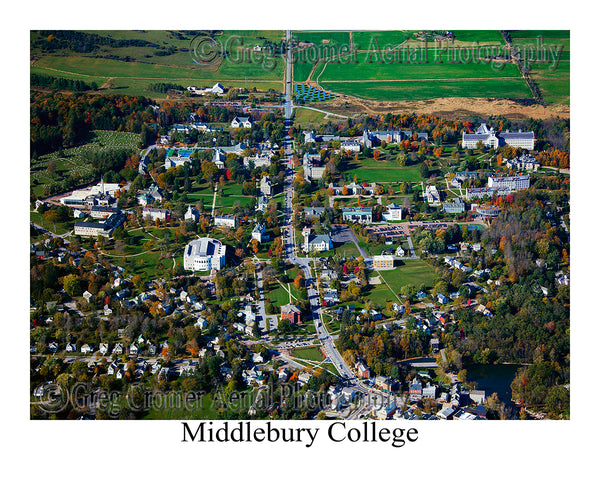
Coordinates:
289 243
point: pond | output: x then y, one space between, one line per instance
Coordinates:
494 378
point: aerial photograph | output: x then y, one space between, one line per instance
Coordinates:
320 225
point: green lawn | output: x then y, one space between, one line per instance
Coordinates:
413 271
59 228
206 407
308 353
424 90
386 173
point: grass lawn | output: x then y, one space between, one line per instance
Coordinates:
308 353
384 173
414 271
206 407
59 228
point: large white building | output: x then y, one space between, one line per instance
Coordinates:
88 196
318 243
492 139
393 212
225 221
204 254
513 183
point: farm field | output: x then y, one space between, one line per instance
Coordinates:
73 161
424 90
131 69
553 80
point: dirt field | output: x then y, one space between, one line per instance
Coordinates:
454 108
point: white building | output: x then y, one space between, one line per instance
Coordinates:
492 139
204 254
155 213
511 183
524 162
318 243
192 214
265 186
259 161
241 122
174 162
350 145
431 194
259 233
225 221
394 212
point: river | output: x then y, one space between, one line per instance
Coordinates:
494 378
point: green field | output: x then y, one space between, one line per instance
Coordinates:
413 271
385 173
308 353
207 407
424 90
73 161
131 69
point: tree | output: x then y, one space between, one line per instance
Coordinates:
72 285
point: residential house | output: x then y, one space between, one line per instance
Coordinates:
363 370
241 122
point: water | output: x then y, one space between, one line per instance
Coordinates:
494 378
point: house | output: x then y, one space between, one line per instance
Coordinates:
432 195
291 313
134 349
400 252
313 211
88 296
477 396
386 411
303 378
330 296
118 349
456 205
442 299
430 391
71 347
241 122
421 295
447 413
363 371
103 348
85 348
